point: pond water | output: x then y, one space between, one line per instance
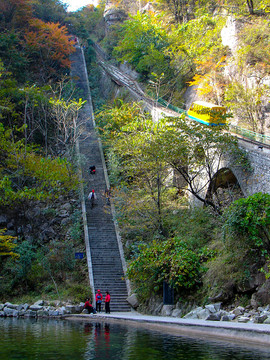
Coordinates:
56 339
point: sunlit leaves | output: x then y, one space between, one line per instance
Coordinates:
50 41
25 175
143 41
7 245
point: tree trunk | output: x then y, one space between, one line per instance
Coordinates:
250 7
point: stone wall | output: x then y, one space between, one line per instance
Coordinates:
250 182
40 309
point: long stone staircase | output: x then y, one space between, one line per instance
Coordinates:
106 262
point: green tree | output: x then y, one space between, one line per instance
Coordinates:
247 225
171 261
50 10
135 142
184 10
25 175
143 42
173 144
195 151
195 43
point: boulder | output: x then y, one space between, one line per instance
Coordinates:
42 313
36 307
262 296
203 314
221 313
133 301
228 317
20 307
79 308
15 313
21 312
3 220
167 310
53 313
65 221
267 321
70 309
177 313
9 312
62 310
238 311
217 306
11 306
213 317
260 319
211 308
193 314
2 314
243 319
25 306
63 213
67 207
30 313
10 225
39 303
178 305
158 309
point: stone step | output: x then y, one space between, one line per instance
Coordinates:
107 265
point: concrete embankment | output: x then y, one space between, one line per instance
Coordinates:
249 333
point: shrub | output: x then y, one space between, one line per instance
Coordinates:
247 225
171 261
79 292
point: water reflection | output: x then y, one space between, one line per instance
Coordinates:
52 339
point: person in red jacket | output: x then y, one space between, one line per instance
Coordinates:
107 302
88 306
99 299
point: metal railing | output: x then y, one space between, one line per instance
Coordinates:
170 106
249 134
264 139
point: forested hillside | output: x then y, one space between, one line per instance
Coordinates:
179 51
218 251
40 215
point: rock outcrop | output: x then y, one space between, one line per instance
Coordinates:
40 309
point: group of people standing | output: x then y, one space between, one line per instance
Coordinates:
99 298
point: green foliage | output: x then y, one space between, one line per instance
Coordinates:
243 250
142 44
15 61
85 21
197 226
24 263
49 10
76 231
25 175
195 42
247 225
171 261
78 292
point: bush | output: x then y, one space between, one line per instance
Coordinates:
171 261
247 225
245 246
79 292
